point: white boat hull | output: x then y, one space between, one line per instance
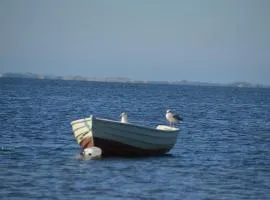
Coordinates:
123 139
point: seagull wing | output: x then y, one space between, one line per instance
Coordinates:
177 117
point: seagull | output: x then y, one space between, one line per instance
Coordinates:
124 117
172 118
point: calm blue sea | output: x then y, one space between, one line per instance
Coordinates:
223 151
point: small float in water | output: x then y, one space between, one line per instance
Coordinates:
114 138
91 153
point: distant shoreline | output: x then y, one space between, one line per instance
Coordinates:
128 80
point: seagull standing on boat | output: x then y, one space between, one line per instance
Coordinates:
124 117
172 118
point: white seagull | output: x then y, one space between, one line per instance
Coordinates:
172 118
124 117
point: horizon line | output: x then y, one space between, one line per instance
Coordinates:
121 79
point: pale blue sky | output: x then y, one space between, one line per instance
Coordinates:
198 40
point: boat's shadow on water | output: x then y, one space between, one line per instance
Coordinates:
107 158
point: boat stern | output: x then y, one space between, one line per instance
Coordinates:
82 131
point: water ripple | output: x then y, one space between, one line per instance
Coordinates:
222 151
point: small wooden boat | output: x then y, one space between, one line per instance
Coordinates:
123 139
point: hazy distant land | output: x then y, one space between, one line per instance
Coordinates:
128 80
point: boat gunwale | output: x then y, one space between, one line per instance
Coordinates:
92 118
